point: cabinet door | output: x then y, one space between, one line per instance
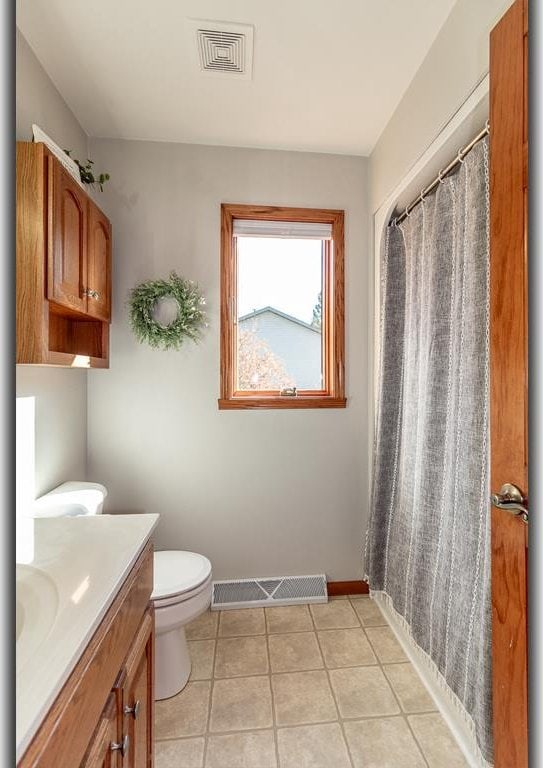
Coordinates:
67 239
100 753
99 264
139 697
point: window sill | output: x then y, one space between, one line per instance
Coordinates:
248 403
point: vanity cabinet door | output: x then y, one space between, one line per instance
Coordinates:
100 753
99 264
67 239
138 698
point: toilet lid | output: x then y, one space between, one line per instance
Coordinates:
176 572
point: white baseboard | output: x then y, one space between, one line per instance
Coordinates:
451 708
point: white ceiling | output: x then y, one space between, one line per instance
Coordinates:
327 74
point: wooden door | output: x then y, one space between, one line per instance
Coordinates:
67 239
99 753
99 264
138 697
509 380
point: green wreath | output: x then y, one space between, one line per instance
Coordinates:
190 317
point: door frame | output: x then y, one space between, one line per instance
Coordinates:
509 380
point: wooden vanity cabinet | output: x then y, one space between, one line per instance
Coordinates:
104 715
63 266
137 699
99 753
124 735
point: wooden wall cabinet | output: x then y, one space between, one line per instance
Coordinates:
98 264
63 240
104 715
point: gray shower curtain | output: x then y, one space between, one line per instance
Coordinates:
428 544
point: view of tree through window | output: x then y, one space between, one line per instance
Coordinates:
279 318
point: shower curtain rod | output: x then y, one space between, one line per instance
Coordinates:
439 178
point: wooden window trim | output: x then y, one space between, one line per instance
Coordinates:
333 305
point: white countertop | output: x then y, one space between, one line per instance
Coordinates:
67 578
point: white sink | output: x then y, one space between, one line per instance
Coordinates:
36 609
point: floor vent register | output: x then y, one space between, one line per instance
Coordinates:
287 590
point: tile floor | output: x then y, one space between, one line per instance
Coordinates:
322 686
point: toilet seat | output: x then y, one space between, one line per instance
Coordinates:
178 599
178 576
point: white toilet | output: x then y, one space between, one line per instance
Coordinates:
181 588
182 591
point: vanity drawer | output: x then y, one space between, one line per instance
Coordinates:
67 729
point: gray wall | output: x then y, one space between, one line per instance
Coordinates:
38 101
60 422
61 414
258 492
455 63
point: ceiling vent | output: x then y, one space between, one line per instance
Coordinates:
225 49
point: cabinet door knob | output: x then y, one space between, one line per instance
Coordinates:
133 710
122 746
91 293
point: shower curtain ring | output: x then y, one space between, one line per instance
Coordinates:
459 156
440 176
406 212
487 126
421 196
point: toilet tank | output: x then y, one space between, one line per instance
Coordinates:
71 499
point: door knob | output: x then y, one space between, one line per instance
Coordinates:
133 710
121 746
511 500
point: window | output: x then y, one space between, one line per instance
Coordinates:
282 322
